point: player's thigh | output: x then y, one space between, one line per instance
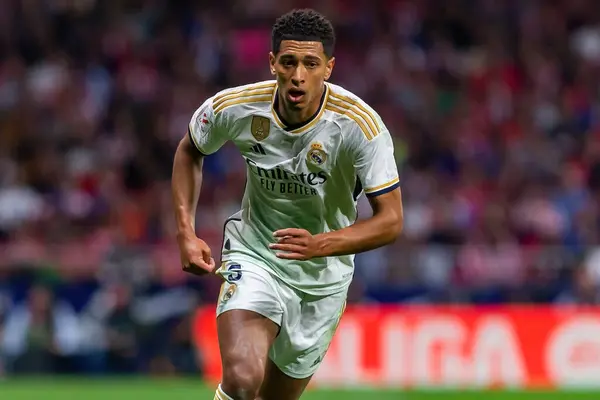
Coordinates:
306 332
249 314
244 341
279 386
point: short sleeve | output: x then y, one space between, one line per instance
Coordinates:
375 164
207 130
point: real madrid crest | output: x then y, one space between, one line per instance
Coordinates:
316 155
260 127
229 292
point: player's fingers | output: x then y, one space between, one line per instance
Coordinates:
212 265
301 241
290 232
194 270
198 265
291 256
200 260
281 233
193 266
206 256
286 247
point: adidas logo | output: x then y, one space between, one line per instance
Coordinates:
317 361
258 149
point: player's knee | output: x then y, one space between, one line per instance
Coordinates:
242 380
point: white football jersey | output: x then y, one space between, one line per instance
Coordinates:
307 176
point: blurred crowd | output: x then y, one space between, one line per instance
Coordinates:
494 107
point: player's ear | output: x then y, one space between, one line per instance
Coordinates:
272 59
329 67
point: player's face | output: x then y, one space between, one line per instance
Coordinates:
301 67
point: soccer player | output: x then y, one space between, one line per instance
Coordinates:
311 148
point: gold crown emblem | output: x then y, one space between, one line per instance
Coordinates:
229 293
316 155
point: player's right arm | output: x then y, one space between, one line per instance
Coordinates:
206 134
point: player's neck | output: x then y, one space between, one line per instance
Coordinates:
298 117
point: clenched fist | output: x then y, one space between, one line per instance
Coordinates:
195 256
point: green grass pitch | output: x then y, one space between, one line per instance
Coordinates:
147 389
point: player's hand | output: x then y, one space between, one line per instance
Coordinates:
295 244
196 256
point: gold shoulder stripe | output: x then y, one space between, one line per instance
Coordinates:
246 88
358 104
217 104
246 91
349 108
243 100
353 115
369 117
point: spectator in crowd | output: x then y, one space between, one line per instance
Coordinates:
40 335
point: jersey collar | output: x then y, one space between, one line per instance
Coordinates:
304 126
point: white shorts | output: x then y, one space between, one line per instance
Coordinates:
307 323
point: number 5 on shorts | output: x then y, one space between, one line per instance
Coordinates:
233 273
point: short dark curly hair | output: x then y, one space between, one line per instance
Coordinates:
303 25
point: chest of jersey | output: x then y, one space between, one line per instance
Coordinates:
289 163
270 146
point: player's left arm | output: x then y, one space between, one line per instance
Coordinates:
376 168
381 229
